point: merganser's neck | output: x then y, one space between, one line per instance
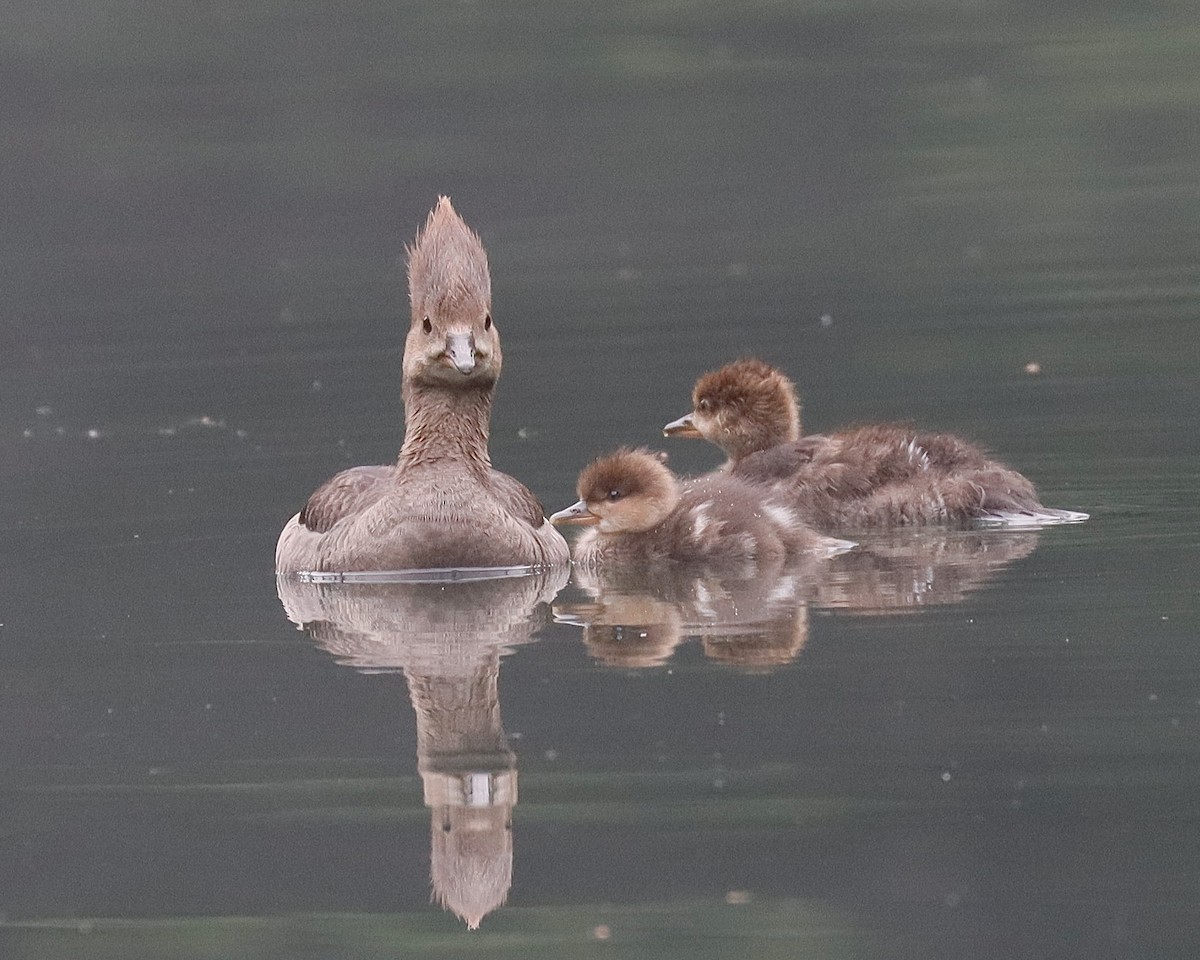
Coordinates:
445 424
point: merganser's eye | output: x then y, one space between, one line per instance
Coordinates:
487 322
704 405
427 326
614 494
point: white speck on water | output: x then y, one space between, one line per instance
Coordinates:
1154 698
137 536
721 718
60 431
1033 368
670 673
43 411
952 900
516 735
27 432
93 433
1174 720
315 386
166 431
826 320
737 897
601 931
945 776
208 706
551 755
240 434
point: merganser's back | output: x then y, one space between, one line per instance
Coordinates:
441 504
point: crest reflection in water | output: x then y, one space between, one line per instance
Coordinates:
447 638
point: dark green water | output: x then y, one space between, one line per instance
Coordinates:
955 746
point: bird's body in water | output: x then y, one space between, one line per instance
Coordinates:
878 475
441 504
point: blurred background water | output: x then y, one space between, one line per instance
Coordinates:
988 749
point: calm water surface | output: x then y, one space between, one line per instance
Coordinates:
942 745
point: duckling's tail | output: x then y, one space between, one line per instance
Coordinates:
831 547
1033 517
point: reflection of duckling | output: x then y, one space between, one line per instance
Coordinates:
743 614
875 475
634 646
904 571
759 651
441 504
637 510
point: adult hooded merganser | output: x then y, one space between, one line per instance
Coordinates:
441 504
875 475
637 510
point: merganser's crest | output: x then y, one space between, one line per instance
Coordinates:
448 267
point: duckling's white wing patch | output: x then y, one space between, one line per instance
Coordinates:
917 454
780 515
701 521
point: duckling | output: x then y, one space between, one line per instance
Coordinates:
441 504
637 510
876 475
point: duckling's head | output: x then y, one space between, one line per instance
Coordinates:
744 407
625 492
452 340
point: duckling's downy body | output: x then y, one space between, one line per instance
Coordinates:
441 504
637 511
870 476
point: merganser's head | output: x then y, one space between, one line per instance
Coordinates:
744 407
452 339
625 492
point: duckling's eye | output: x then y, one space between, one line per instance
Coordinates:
614 494
705 405
427 326
487 322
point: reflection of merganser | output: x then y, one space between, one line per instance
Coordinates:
876 475
638 510
448 638
441 504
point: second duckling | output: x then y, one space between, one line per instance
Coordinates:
878 475
638 510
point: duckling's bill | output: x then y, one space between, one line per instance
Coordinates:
577 513
683 427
